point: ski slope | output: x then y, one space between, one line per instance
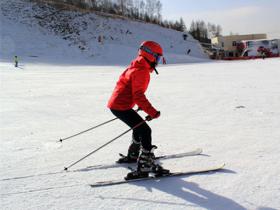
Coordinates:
230 109
44 34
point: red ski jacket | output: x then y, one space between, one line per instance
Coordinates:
131 88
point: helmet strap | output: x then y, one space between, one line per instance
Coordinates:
156 71
152 64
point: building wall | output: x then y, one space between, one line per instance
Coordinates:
228 43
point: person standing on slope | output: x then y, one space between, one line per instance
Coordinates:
130 91
16 61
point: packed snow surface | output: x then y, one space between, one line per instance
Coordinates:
229 109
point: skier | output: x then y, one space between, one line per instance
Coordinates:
129 91
263 54
163 61
16 61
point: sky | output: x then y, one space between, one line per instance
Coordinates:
236 16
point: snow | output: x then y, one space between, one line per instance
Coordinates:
41 33
229 109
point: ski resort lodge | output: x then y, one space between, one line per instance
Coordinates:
244 46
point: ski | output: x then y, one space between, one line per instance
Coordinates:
171 174
195 152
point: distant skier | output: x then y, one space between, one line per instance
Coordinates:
163 61
129 91
263 54
189 51
16 61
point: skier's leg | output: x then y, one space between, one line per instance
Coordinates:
141 134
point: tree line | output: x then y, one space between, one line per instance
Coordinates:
145 10
204 32
148 11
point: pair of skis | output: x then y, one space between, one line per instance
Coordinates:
161 157
153 176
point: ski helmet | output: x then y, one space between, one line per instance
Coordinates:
151 51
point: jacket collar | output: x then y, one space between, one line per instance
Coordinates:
142 62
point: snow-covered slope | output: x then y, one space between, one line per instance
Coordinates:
45 33
230 109
33 44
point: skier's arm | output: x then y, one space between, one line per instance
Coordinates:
139 79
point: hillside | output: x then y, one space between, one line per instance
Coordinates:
40 32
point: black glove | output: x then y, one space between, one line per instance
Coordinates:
149 118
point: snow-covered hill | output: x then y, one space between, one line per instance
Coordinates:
40 32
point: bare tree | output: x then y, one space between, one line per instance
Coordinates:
158 10
122 4
150 8
214 30
136 4
142 8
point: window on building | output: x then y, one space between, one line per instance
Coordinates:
250 44
234 43
265 42
223 44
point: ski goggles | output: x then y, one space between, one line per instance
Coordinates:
148 50
158 58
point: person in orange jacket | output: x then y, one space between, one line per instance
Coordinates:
130 91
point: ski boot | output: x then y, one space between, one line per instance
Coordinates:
145 164
158 170
132 154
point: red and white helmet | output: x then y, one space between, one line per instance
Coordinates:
151 51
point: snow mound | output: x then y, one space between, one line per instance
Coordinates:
41 32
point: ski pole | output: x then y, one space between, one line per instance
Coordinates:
66 168
63 139
69 137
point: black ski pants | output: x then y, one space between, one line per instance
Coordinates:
142 133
